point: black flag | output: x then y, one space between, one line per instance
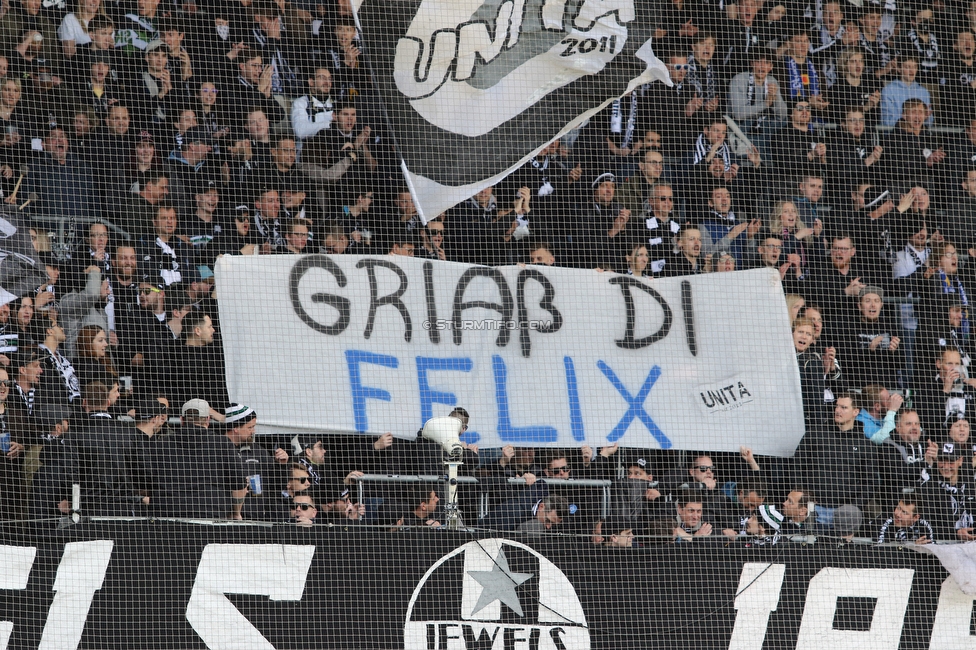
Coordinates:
474 88
20 270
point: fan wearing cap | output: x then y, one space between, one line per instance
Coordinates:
603 241
190 167
950 502
150 89
240 238
618 533
639 495
198 474
240 423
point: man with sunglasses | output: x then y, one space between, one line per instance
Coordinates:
432 238
298 483
303 510
702 475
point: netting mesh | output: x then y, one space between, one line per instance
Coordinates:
451 324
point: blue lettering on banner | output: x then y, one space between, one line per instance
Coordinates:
430 396
507 432
575 412
635 410
362 393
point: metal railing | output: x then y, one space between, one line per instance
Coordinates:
603 484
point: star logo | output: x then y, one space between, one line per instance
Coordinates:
499 585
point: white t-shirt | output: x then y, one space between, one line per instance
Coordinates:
71 29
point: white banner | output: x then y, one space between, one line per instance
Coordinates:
538 355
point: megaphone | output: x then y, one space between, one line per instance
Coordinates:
445 431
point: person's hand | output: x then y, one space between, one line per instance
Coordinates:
854 288
105 290
829 359
693 105
64 507
783 270
508 453
747 454
472 448
754 226
820 150
383 442
352 476
931 453
351 56
586 453
113 339
529 477
303 521
43 299
709 483
688 30
165 85
264 81
9 140
280 456
29 38
771 93
951 375
937 156
875 342
16 449
895 402
923 540
363 137
906 201
893 345
711 104
236 49
776 13
624 214
873 100
610 450
738 229
965 534
660 33
575 173
652 494
817 227
363 203
731 534
704 531
754 157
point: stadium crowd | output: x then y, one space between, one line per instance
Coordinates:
833 143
